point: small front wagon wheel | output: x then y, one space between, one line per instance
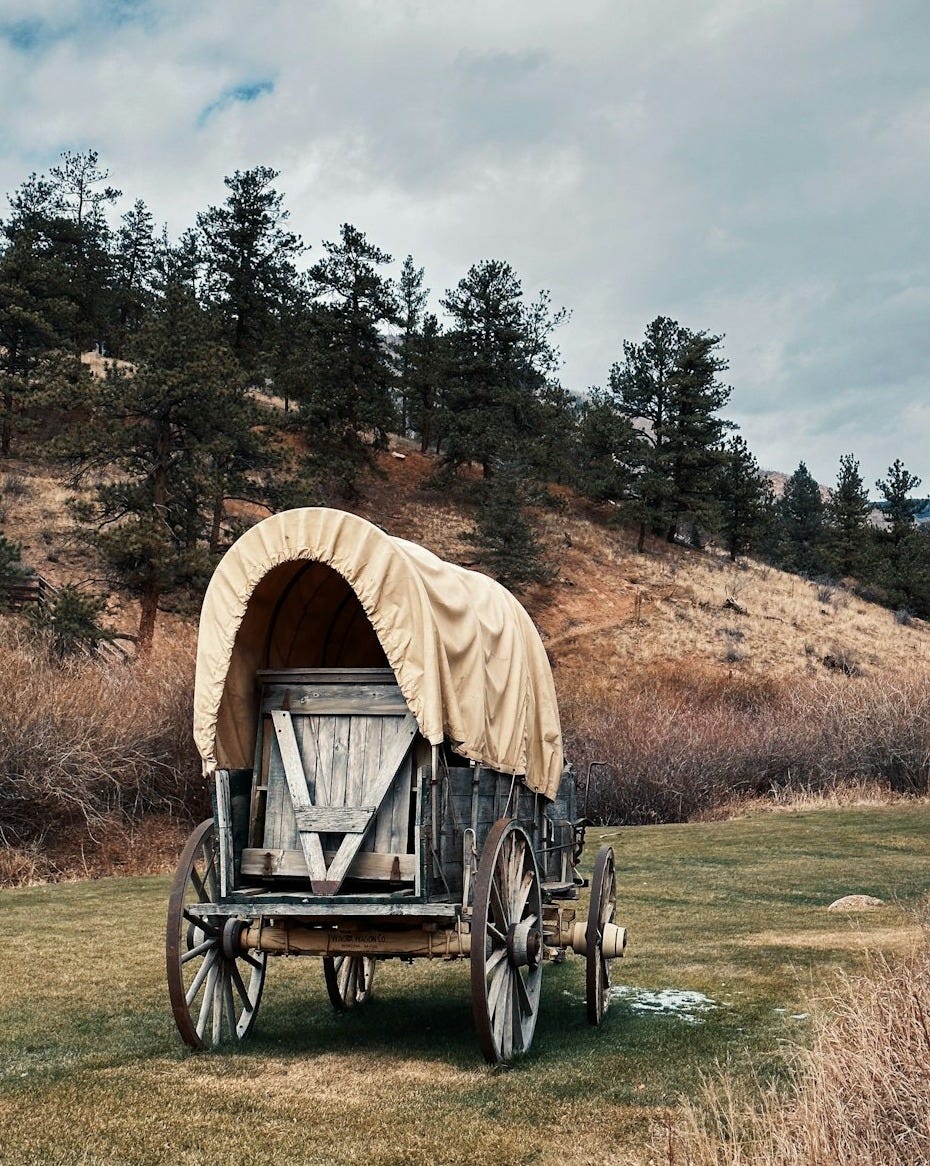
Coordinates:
348 980
506 943
600 912
214 988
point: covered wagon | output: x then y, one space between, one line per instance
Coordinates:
382 739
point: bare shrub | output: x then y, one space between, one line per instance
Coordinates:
682 742
859 1097
15 485
84 743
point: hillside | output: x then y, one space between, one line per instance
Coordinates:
609 608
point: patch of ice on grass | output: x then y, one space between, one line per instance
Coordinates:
687 1006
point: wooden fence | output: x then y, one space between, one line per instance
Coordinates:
34 589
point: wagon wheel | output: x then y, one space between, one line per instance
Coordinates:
601 911
214 987
506 943
348 979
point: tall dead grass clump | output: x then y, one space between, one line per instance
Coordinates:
672 743
85 743
859 1097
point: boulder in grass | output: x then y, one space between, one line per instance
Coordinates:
856 903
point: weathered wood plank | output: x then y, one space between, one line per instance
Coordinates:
342 730
335 819
224 831
280 827
391 757
340 699
326 676
371 759
384 821
400 804
291 863
300 799
343 907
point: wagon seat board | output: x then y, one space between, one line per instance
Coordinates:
309 592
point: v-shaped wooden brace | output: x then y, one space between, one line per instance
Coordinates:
318 818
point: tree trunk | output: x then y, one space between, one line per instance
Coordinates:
641 541
148 612
216 527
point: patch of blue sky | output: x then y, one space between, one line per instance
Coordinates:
27 36
116 12
243 94
35 34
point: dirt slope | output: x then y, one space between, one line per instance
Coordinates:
609 608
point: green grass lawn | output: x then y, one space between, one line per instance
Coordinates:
92 1071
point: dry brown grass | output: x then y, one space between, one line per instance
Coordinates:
87 749
859 1097
670 743
613 610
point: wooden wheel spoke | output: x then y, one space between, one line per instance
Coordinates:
505 1026
199 886
250 959
202 972
499 935
229 1001
207 1001
523 894
498 954
525 1004
239 983
199 921
499 908
200 949
218 997
498 988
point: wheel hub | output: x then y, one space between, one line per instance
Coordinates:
232 930
524 944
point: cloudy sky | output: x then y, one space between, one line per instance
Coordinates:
754 168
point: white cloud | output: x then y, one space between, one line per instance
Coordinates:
758 170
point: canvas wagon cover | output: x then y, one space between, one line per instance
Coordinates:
295 591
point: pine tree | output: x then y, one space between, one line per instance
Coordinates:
906 562
606 450
847 515
157 434
801 510
506 545
347 400
427 377
667 387
249 256
412 297
82 241
744 498
36 317
135 273
899 510
501 365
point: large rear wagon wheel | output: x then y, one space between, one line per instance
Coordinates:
348 980
600 912
215 988
506 943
